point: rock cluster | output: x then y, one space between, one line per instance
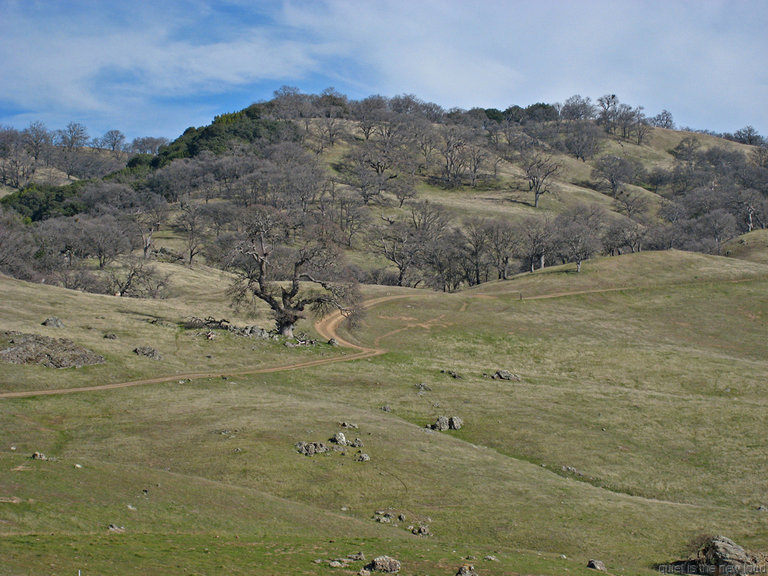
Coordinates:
50 352
311 448
384 564
720 555
596 565
210 323
445 423
506 375
147 351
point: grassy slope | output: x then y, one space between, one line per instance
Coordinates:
644 373
508 195
752 247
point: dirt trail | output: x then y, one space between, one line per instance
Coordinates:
326 328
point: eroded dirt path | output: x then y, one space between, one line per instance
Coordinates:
326 327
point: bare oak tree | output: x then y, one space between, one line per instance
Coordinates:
539 169
289 277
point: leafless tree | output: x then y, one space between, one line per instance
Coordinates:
613 172
583 139
534 241
578 233
192 222
539 167
289 277
501 245
17 165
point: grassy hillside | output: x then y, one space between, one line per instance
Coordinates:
752 247
637 423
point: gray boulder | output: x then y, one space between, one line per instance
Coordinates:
339 439
384 564
442 423
596 565
311 448
506 375
147 351
728 556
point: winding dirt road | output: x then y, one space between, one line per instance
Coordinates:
326 327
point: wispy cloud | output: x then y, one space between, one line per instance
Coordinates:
156 68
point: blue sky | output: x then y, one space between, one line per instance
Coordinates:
154 68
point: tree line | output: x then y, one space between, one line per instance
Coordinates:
281 191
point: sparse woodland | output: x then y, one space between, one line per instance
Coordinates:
305 195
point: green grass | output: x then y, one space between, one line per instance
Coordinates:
646 374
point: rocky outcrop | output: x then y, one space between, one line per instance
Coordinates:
596 565
384 564
719 555
311 448
51 352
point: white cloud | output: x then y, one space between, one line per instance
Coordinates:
703 60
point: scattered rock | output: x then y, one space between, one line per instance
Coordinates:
336 564
762 508
53 322
364 572
50 352
466 570
386 408
348 425
384 564
357 557
362 457
576 472
423 387
147 351
723 552
453 374
719 555
311 448
440 424
110 336
491 558
39 456
506 375
445 423
421 531
339 439
333 342
401 517
115 528
596 565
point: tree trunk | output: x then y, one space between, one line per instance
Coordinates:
285 328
